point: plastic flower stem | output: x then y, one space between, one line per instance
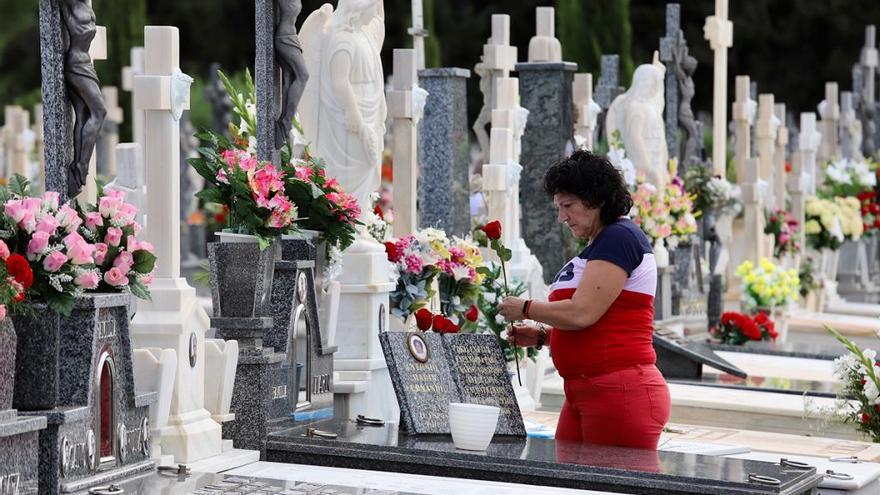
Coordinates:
515 353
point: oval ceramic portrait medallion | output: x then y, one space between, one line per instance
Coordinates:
193 349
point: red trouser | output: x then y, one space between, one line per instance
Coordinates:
626 408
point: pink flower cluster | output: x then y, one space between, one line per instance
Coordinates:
266 183
114 226
351 210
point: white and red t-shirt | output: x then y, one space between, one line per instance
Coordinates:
623 336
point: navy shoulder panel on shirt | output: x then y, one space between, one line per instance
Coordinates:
622 243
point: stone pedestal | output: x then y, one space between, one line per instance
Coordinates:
545 90
444 189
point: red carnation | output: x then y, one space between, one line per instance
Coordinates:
20 269
472 314
391 251
424 319
866 417
378 212
492 229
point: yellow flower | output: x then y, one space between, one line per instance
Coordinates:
812 227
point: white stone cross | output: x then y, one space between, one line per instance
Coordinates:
850 128
780 179
544 47
829 110
129 72
498 60
765 130
744 117
587 109
418 32
405 133
809 141
719 31
16 141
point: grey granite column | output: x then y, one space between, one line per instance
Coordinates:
57 113
444 189
669 44
545 91
265 78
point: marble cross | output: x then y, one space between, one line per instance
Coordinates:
106 151
719 31
780 180
809 140
544 47
766 132
419 33
587 109
129 72
498 60
743 116
405 134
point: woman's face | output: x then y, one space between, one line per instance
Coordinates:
583 221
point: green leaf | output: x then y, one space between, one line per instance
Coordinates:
144 261
60 302
20 185
505 254
139 290
212 195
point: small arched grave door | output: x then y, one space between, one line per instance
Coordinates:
106 414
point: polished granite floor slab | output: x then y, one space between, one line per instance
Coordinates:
535 461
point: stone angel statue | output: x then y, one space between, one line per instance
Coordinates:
638 116
343 108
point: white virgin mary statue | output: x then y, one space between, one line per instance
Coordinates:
343 106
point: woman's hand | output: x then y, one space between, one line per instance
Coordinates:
525 335
511 308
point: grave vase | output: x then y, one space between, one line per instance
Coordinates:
241 275
7 363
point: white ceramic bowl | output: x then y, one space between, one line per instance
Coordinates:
472 425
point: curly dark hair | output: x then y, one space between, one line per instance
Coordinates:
594 180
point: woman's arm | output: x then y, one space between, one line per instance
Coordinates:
600 285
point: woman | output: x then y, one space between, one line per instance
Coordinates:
601 310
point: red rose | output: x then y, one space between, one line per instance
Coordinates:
472 314
424 318
492 229
391 251
443 324
866 417
20 269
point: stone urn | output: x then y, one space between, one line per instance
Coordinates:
241 276
7 363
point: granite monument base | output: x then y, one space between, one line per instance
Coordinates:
19 452
261 398
536 461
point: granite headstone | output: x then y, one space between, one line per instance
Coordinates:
459 368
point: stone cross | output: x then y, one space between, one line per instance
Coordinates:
128 74
608 87
868 97
744 116
780 179
444 190
849 131
418 32
266 80
17 125
544 47
753 212
719 31
766 134
549 136
404 131
586 108
669 45
173 319
154 94
129 177
498 60
809 141
106 151
829 110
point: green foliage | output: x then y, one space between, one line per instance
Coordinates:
588 30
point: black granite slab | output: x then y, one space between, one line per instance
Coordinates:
534 461
225 484
465 368
787 349
680 358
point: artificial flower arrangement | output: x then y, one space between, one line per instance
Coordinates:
739 328
16 277
849 177
870 211
667 214
711 192
322 204
784 228
253 190
829 222
859 401
70 251
768 285
426 256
